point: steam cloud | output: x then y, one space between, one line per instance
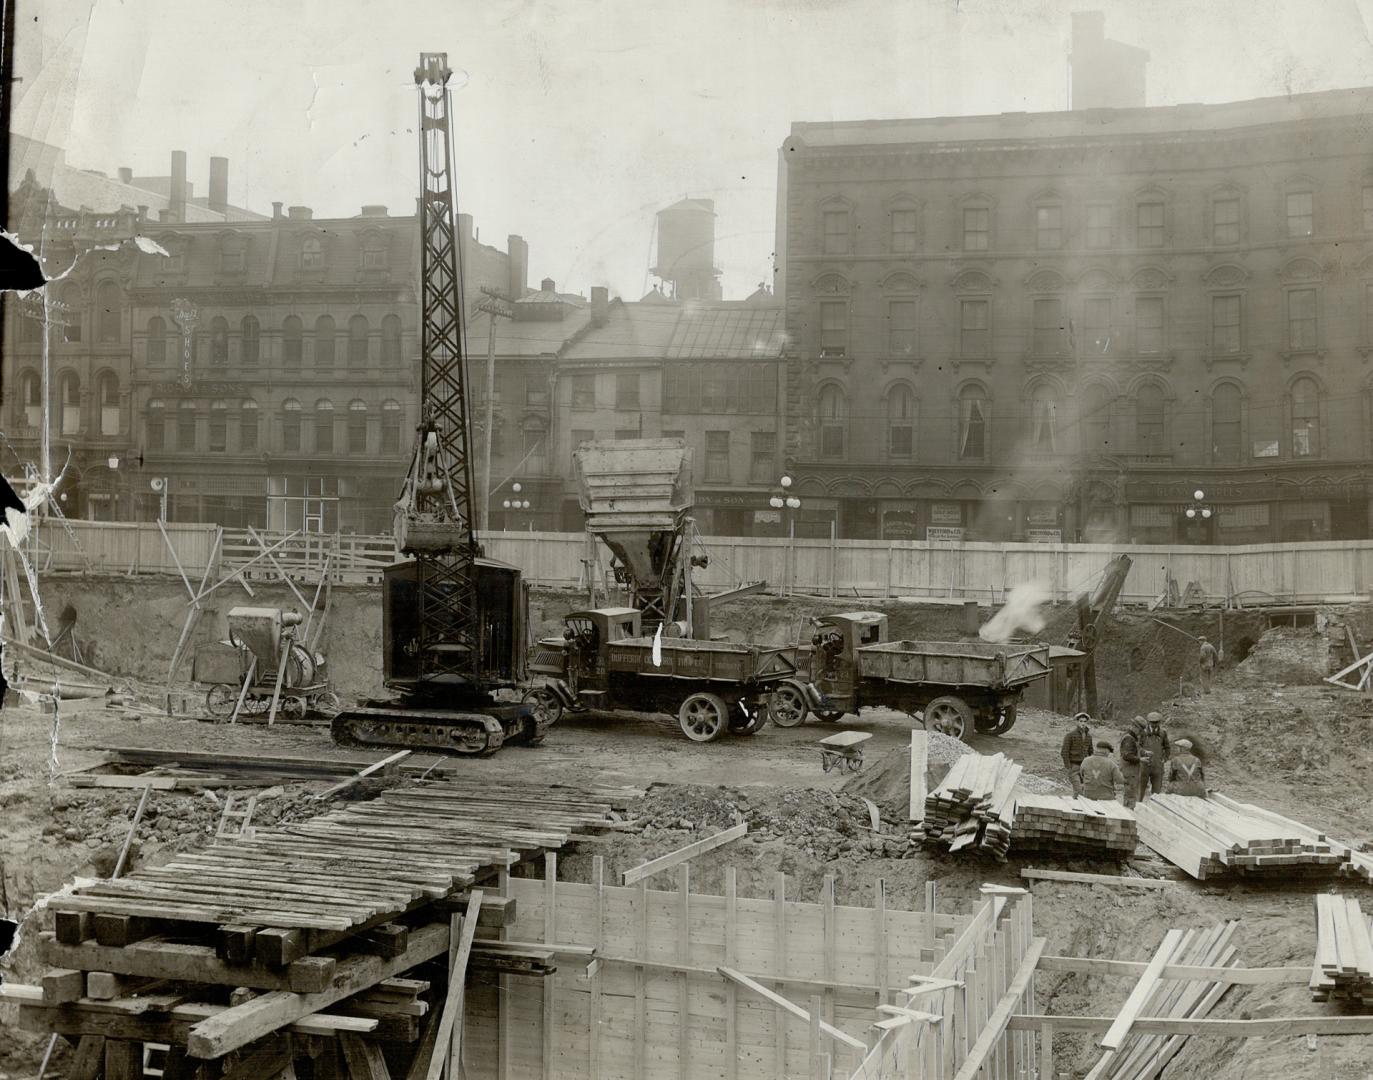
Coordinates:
1020 612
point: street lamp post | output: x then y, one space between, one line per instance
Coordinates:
783 499
1198 511
517 503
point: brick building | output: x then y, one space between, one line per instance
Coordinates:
1051 325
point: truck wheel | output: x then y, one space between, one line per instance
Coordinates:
832 717
703 717
787 705
548 707
1005 721
221 699
949 715
748 724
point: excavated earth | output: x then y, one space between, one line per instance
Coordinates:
1276 735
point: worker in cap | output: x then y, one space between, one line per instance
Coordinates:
1077 748
1186 775
1131 764
1154 748
1100 775
1207 658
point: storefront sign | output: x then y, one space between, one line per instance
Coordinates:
1044 536
1265 447
208 389
946 513
730 498
767 517
1180 493
1152 517
1251 516
943 534
1041 514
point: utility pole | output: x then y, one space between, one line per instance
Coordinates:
497 306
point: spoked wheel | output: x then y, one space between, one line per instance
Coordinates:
741 723
787 705
293 707
1004 722
703 717
547 706
950 716
853 764
831 717
326 704
221 699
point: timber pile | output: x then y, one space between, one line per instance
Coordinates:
1207 837
327 928
1142 1057
1343 970
973 806
1082 826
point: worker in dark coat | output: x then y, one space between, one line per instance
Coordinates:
1153 742
1207 658
1185 774
1077 748
1100 775
1130 763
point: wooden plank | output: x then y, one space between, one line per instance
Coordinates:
641 980
1280 1027
880 947
550 984
375 767
791 1007
1095 879
448 1039
88 1059
920 756
779 954
682 854
1148 979
364 1058
62 985
731 990
594 1031
1236 976
123 1059
683 920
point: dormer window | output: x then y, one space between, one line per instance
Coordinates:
312 253
374 252
232 255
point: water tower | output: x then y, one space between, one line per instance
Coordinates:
686 250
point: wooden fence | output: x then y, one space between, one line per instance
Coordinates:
1323 572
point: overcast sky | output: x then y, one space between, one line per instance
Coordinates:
581 118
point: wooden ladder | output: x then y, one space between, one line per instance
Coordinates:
243 817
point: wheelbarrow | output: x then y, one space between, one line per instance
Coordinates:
844 750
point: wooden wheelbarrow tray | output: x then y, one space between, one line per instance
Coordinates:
844 749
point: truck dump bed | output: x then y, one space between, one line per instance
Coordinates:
954 663
686 658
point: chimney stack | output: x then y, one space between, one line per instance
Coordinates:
547 285
219 184
600 305
519 265
177 192
373 210
125 175
299 213
276 211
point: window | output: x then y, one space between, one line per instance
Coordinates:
1225 221
1149 224
324 342
247 425
1225 324
534 439
1099 226
977 228
1225 424
219 340
836 238
290 425
231 255
975 327
717 456
674 435
582 435
1149 420
627 391
69 312
1306 413
374 252
972 417
357 427
833 411
156 423
185 425
584 391
1096 325
1368 208
1048 227
834 327
901 328
109 316
1301 319
324 426
1048 336
1300 216
31 394
903 230
900 422
536 390
715 389
762 457
1044 420
357 341
312 254
390 340
157 340
390 427
70 392
1096 419
1149 324
291 342
107 394
219 426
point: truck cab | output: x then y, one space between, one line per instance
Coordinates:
830 661
578 658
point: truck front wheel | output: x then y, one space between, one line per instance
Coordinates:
949 715
787 705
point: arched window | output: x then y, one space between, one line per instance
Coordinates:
290 341
109 315
1096 419
311 254
390 427
324 426
1225 424
972 424
250 345
31 394
900 422
157 340
156 423
1044 419
833 414
185 425
70 390
1149 419
290 424
107 393
390 340
324 342
219 426
1306 418
247 425
357 427
219 341
357 341
70 313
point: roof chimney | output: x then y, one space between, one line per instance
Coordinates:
600 305
125 175
547 285
373 210
219 184
299 213
276 211
177 191
519 265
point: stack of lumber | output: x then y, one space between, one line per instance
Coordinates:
1141 1057
973 806
1343 970
1081 826
1207 837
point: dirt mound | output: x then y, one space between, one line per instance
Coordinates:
887 782
1291 655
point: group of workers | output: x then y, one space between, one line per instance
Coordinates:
1149 762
